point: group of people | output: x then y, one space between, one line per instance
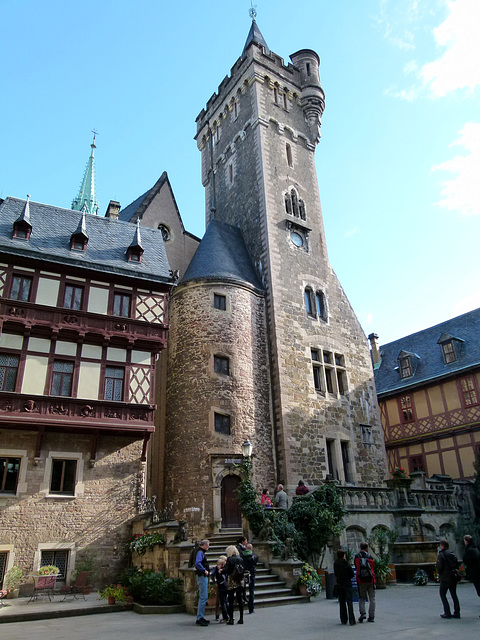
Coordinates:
281 499
447 567
232 573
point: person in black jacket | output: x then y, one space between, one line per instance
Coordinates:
344 573
447 563
235 584
471 560
250 563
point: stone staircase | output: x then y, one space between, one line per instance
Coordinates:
270 591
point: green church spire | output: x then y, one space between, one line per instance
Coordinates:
85 201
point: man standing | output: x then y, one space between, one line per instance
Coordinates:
471 560
250 563
203 569
446 565
281 498
365 582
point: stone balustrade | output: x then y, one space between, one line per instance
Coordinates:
398 495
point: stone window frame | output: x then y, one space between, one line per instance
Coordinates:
315 302
71 547
217 295
329 369
221 359
79 485
22 474
294 204
220 411
335 446
367 434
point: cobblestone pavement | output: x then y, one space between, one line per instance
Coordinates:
403 612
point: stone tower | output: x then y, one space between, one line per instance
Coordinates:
302 386
257 137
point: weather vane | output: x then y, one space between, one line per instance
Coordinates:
252 11
95 134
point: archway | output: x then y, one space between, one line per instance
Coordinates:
231 512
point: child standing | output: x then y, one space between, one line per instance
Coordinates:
220 579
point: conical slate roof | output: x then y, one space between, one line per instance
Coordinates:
255 35
222 254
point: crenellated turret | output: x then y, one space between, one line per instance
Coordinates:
313 96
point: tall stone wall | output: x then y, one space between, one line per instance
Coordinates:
98 519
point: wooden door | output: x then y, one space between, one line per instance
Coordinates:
231 513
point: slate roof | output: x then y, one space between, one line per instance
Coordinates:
430 366
222 254
108 241
255 35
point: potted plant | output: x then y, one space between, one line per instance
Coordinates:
382 571
141 542
48 570
420 578
399 472
87 562
309 582
212 595
13 580
115 592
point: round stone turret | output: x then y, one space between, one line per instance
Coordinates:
313 96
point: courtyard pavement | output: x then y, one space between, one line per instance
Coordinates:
403 612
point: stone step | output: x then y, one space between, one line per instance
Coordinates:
277 602
261 586
266 594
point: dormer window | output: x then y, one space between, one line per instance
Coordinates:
449 345
79 238
135 254
405 364
21 230
78 243
22 227
448 351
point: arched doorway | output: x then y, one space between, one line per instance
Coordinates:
231 513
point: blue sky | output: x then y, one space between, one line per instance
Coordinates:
399 160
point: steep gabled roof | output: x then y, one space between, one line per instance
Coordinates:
108 242
222 255
464 330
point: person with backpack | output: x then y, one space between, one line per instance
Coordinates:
447 566
365 582
235 574
250 563
203 571
344 574
471 560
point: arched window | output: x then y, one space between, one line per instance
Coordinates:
309 303
321 305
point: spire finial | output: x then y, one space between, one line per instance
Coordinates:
95 134
252 11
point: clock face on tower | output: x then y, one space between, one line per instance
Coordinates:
297 239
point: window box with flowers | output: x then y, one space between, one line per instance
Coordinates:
399 472
309 583
141 542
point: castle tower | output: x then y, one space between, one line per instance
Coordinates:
257 136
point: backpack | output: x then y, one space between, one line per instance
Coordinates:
238 572
193 555
365 570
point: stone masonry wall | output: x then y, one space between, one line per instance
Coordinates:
97 520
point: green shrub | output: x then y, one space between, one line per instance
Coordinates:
152 587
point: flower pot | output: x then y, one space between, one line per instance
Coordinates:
303 590
13 593
111 599
392 578
381 583
211 601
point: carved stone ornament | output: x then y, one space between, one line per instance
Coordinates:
18 313
87 411
120 326
7 406
58 409
71 319
138 415
111 413
30 406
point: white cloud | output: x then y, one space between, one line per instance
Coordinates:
462 192
458 67
397 21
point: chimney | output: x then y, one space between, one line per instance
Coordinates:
113 210
376 356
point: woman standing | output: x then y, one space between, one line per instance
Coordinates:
235 573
